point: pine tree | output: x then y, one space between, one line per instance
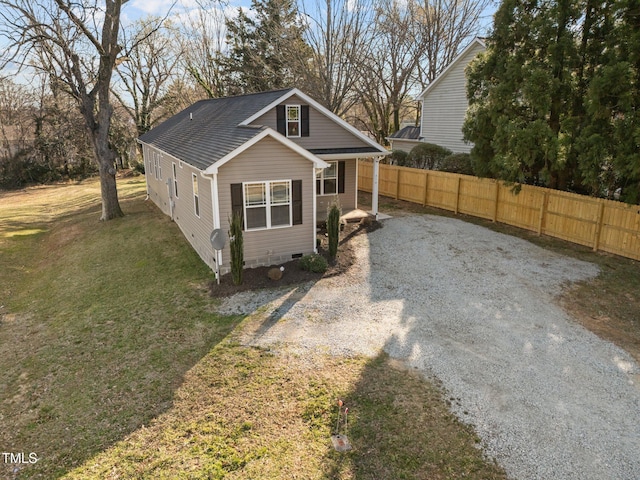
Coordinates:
266 53
555 99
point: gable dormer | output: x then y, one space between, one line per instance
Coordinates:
310 125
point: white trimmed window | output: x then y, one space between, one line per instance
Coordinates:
267 204
327 180
175 179
154 155
196 199
293 120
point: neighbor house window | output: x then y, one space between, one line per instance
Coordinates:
267 204
327 180
293 120
175 179
196 199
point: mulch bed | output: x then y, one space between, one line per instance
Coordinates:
257 278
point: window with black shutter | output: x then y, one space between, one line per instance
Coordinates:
292 120
330 180
268 204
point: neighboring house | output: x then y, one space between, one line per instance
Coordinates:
278 158
444 103
405 139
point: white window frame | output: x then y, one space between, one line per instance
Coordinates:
196 195
287 121
267 205
320 175
155 164
160 165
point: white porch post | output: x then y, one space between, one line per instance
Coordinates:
374 194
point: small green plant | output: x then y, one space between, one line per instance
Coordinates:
399 157
457 163
427 155
236 244
333 229
314 263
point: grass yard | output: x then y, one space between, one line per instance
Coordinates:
114 365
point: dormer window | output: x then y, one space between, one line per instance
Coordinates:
293 120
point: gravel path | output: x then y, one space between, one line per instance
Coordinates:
474 308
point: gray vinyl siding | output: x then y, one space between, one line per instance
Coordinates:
445 106
156 188
196 230
269 160
347 200
323 132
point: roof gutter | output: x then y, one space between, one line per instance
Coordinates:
352 156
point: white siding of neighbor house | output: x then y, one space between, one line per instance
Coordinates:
445 106
323 132
269 160
404 145
196 229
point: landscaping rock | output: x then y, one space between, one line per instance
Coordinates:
275 273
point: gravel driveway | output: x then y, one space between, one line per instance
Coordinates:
474 308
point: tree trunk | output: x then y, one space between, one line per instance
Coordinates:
110 204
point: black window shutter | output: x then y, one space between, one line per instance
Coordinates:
237 200
341 177
304 121
281 120
296 199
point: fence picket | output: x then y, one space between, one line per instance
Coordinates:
604 225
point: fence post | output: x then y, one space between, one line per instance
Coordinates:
457 195
426 183
495 206
397 183
543 211
596 239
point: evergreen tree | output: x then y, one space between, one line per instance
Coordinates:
555 99
266 52
609 145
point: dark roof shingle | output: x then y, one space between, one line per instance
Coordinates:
407 133
208 130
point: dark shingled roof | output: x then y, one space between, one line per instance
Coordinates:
407 133
208 130
329 151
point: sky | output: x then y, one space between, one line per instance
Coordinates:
179 10
140 8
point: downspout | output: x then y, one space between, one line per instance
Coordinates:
357 167
315 214
216 211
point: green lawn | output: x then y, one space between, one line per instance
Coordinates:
114 365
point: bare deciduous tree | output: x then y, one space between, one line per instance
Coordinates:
412 42
388 76
338 32
78 45
446 26
202 46
147 67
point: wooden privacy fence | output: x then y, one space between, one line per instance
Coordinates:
604 225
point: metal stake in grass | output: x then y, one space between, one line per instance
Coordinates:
341 442
346 422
